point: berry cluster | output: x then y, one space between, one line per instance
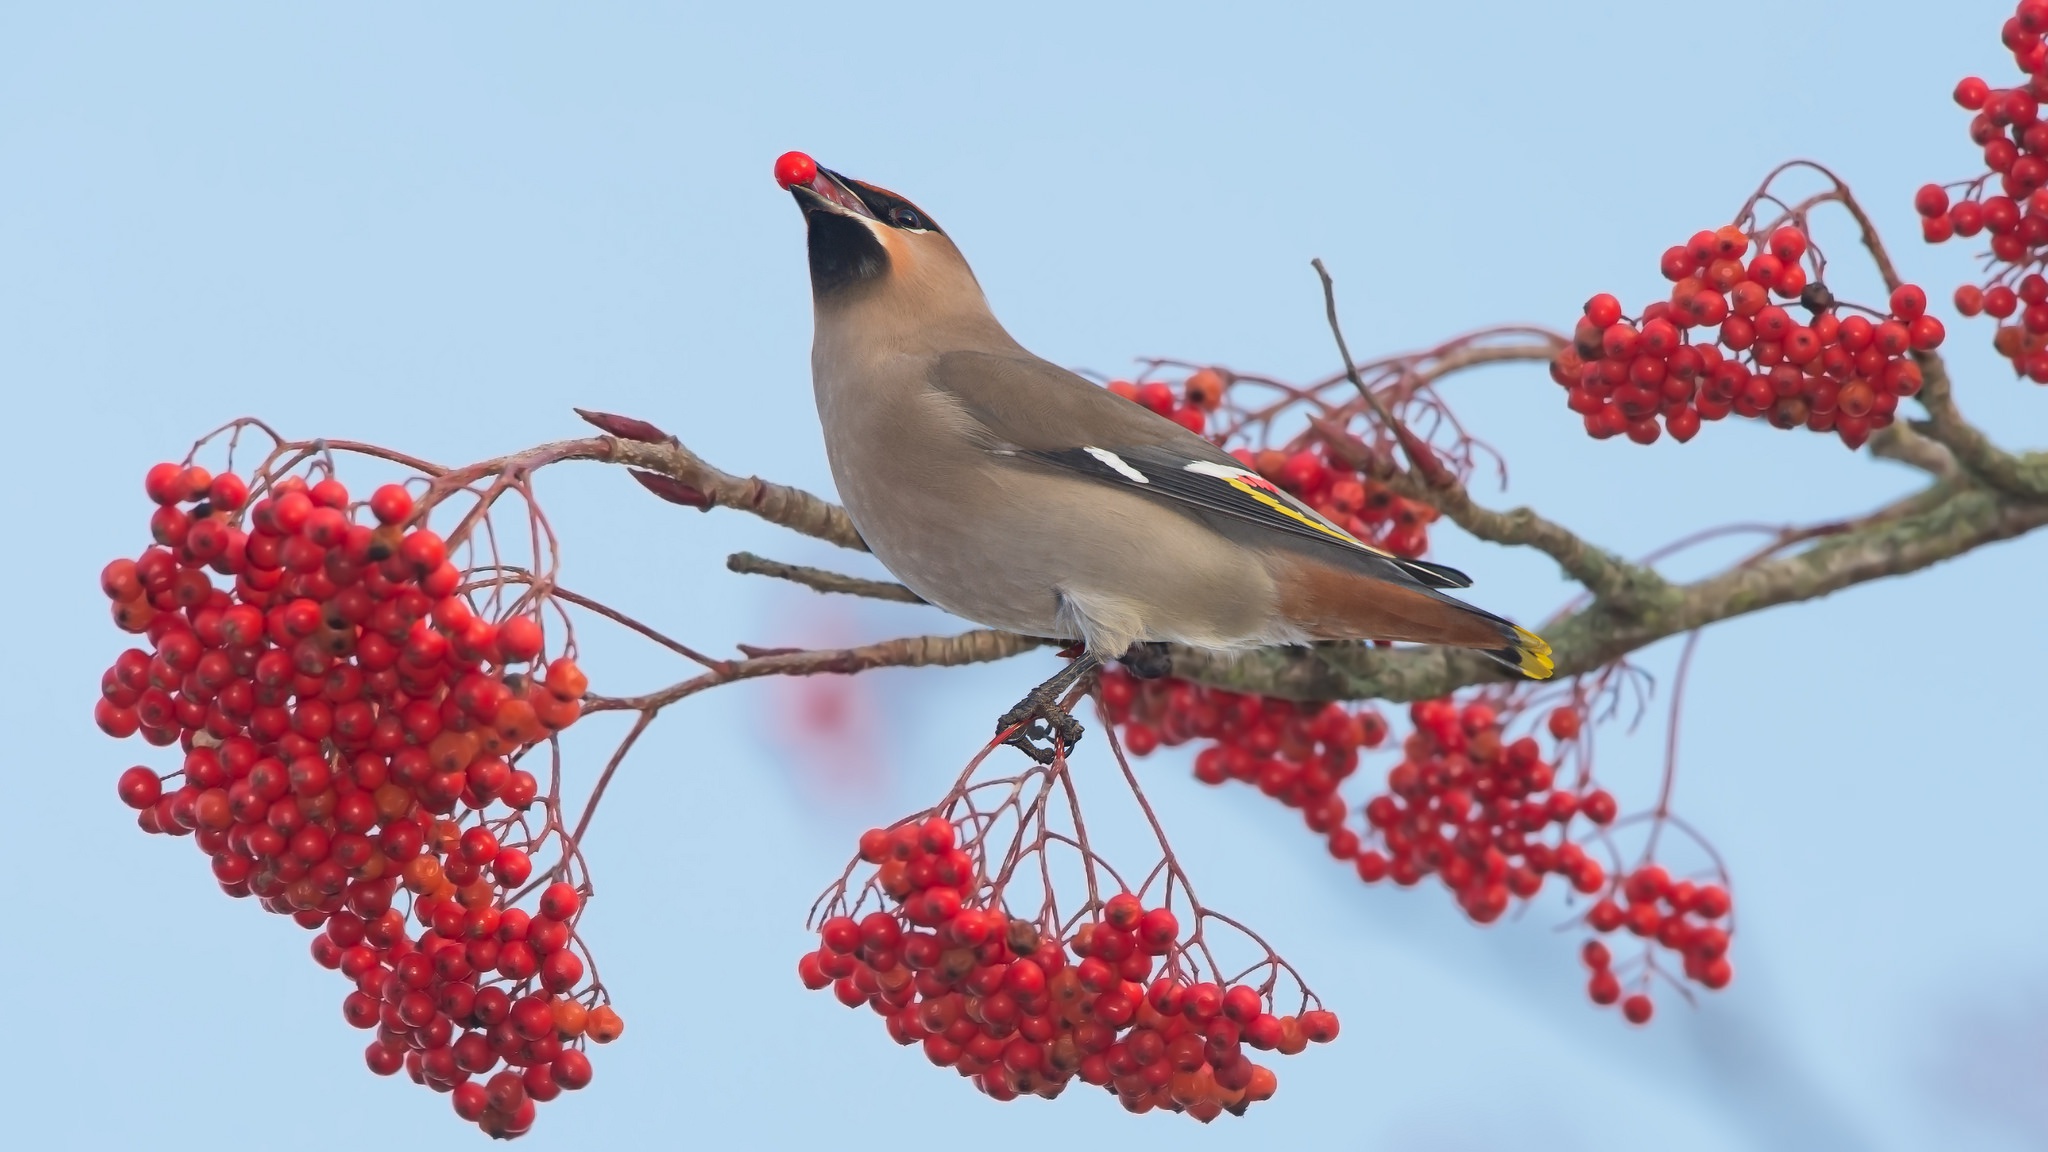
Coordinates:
1296 754
350 728
1472 808
1484 814
1686 923
1200 394
1478 811
1351 499
996 997
1832 373
2009 127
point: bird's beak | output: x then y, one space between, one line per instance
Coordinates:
827 192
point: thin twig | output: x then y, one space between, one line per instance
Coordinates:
823 580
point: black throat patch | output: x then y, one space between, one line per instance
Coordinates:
844 254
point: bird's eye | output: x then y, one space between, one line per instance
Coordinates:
904 216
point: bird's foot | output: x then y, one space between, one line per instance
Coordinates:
1047 730
1044 728
1148 660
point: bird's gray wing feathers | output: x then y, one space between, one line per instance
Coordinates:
1038 411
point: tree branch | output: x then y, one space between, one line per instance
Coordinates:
820 579
2024 475
978 647
1940 524
1901 443
792 508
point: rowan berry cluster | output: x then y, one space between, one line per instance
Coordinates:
1486 815
2009 127
1297 754
1472 808
1836 373
1489 817
1352 500
999 999
1678 915
351 727
1200 394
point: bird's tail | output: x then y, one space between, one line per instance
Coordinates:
1528 655
1332 602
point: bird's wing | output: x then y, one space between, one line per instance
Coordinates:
1038 411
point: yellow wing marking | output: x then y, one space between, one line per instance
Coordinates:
1267 498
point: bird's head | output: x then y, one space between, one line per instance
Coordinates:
868 243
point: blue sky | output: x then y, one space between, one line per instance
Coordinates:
439 230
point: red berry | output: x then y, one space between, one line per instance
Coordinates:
140 788
1788 244
290 511
228 492
561 971
1603 311
512 867
1157 930
423 550
328 493
1242 1003
165 483
1931 200
793 168
1925 333
519 638
1683 424
1605 916
391 504
1603 988
1319 1025
1599 806
1637 1009
572 1069
1709 902
559 901
1123 911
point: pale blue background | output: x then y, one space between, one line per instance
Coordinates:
439 231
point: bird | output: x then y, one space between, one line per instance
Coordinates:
1019 495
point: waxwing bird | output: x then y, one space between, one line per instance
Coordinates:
1016 494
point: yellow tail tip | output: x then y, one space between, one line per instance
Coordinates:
1536 662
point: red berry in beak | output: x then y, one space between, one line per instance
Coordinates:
794 168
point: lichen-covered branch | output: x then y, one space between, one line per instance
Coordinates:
1603 573
2024 474
1901 443
1941 524
1608 576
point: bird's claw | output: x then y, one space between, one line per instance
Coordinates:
1044 730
